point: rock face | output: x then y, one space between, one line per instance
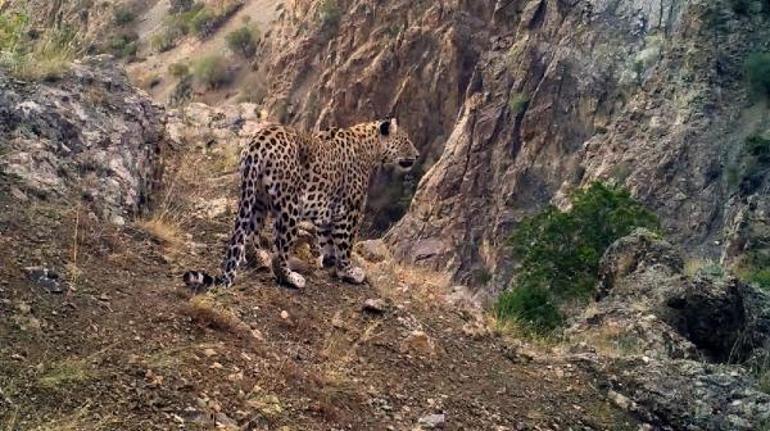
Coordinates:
679 349
516 103
90 133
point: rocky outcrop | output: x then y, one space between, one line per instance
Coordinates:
681 352
89 134
514 104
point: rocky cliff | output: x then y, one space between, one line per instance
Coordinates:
90 133
515 103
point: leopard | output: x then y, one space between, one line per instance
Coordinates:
321 179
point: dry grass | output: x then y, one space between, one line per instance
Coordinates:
693 267
165 231
406 283
206 311
64 373
610 340
79 420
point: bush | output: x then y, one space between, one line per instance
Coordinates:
212 72
330 13
123 45
179 6
518 103
757 68
122 16
44 57
164 41
531 305
204 23
243 41
178 70
560 251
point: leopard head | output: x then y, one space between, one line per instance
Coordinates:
397 148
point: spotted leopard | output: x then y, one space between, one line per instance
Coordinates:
321 178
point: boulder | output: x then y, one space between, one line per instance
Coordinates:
676 350
89 134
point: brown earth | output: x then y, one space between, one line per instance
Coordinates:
127 348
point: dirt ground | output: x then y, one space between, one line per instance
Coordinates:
126 347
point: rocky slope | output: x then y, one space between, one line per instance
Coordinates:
89 134
516 103
679 351
97 332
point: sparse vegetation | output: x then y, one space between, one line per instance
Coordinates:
559 252
694 267
243 41
179 6
212 72
178 70
123 45
192 18
31 56
122 16
517 103
752 166
754 267
330 13
757 69
63 373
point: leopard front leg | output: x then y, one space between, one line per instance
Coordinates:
344 232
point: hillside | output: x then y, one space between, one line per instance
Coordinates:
584 243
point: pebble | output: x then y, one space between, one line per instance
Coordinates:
432 421
374 306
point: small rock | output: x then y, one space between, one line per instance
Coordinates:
374 306
284 314
432 421
209 352
118 220
373 250
46 278
621 400
18 194
418 342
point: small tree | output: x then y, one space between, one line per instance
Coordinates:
559 252
243 41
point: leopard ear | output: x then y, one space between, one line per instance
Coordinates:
386 128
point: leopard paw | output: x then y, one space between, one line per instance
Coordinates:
353 275
295 280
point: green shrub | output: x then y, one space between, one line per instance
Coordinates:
179 6
178 70
123 45
243 41
517 103
754 267
757 68
45 57
532 306
123 16
759 147
212 72
164 41
560 251
204 23
330 13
